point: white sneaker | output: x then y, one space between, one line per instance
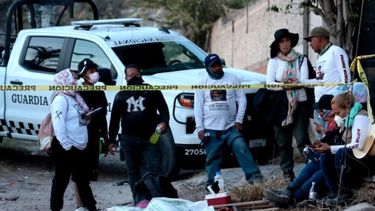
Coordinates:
81 209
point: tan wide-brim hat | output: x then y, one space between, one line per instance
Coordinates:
368 147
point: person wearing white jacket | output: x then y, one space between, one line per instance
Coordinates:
287 66
332 67
68 114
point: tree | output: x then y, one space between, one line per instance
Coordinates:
340 16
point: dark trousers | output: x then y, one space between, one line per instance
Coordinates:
284 137
355 169
141 157
70 163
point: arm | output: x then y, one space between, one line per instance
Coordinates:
342 65
198 110
163 111
360 131
271 74
59 108
115 119
303 70
241 103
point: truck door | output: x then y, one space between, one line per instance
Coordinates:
38 62
3 128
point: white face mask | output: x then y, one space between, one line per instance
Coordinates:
340 121
94 77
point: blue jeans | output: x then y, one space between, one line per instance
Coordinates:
300 187
141 157
214 147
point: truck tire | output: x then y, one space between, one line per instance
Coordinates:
170 167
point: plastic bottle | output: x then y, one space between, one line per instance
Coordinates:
155 136
313 194
218 177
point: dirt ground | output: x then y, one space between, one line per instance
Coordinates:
25 181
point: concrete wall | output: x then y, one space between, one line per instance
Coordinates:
244 37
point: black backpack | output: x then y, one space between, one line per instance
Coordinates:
152 185
309 91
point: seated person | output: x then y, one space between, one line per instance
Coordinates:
298 190
354 125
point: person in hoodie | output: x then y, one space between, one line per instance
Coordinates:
218 116
138 113
69 121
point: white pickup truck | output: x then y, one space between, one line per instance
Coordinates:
166 58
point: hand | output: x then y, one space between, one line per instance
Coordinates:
201 135
163 127
112 148
238 126
321 147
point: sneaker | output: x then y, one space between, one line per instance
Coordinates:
288 177
337 201
282 196
81 209
255 179
330 195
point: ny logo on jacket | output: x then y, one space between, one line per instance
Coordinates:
135 105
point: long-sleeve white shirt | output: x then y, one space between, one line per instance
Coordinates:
217 109
332 67
65 120
275 70
360 131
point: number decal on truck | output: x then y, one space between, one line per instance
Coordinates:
190 152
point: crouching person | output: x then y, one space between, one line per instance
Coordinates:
218 121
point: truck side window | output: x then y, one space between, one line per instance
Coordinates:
42 53
86 49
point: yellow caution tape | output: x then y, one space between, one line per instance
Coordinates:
356 65
154 87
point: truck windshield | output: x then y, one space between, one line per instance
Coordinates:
159 57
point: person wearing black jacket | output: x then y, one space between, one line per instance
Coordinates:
97 128
138 112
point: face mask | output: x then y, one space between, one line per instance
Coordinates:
213 75
94 77
340 121
135 81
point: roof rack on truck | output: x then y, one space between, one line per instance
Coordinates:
87 24
15 10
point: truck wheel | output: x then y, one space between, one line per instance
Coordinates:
169 167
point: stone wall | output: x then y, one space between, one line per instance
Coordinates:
243 38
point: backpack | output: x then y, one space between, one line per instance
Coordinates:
152 185
309 91
46 133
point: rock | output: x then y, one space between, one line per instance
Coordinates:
11 198
361 207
